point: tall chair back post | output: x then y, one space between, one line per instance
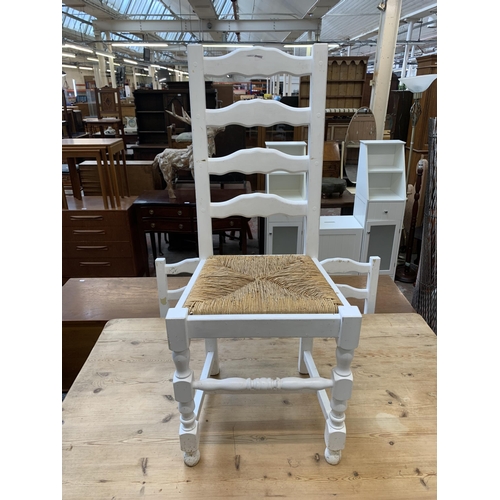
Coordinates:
315 148
200 149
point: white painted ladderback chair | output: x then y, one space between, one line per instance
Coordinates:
371 269
258 296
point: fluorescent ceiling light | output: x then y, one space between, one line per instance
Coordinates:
64 54
139 44
225 45
105 54
141 74
86 67
76 47
69 66
92 59
333 45
130 61
296 46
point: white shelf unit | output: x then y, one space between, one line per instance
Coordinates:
284 234
380 200
290 186
382 173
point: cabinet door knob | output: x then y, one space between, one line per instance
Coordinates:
179 212
181 226
153 225
151 212
231 223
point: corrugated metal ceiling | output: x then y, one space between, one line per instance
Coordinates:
352 24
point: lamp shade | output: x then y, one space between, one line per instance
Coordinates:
418 83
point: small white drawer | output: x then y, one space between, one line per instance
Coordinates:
386 211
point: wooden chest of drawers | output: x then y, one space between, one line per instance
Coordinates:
100 243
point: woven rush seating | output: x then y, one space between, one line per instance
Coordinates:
261 284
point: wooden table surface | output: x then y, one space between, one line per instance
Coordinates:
88 303
120 420
102 299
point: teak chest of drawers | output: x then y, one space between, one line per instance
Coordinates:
98 242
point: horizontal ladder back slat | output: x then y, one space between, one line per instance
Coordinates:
338 266
258 160
257 205
253 112
257 61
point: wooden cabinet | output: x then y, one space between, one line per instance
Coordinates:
347 90
400 114
98 242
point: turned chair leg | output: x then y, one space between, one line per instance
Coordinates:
184 394
306 344
335 430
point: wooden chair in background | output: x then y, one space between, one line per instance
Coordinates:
258 296
109 113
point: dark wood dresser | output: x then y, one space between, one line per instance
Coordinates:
98 242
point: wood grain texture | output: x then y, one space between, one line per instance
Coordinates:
120 420
88 303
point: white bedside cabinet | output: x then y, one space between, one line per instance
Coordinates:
339 236
380 200
285 234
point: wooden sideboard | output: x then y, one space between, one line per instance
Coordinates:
98 242
157 213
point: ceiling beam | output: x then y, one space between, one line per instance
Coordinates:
250 25
204 9
95 9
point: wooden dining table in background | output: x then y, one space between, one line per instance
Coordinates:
121 421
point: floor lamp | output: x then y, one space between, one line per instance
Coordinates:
417 85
